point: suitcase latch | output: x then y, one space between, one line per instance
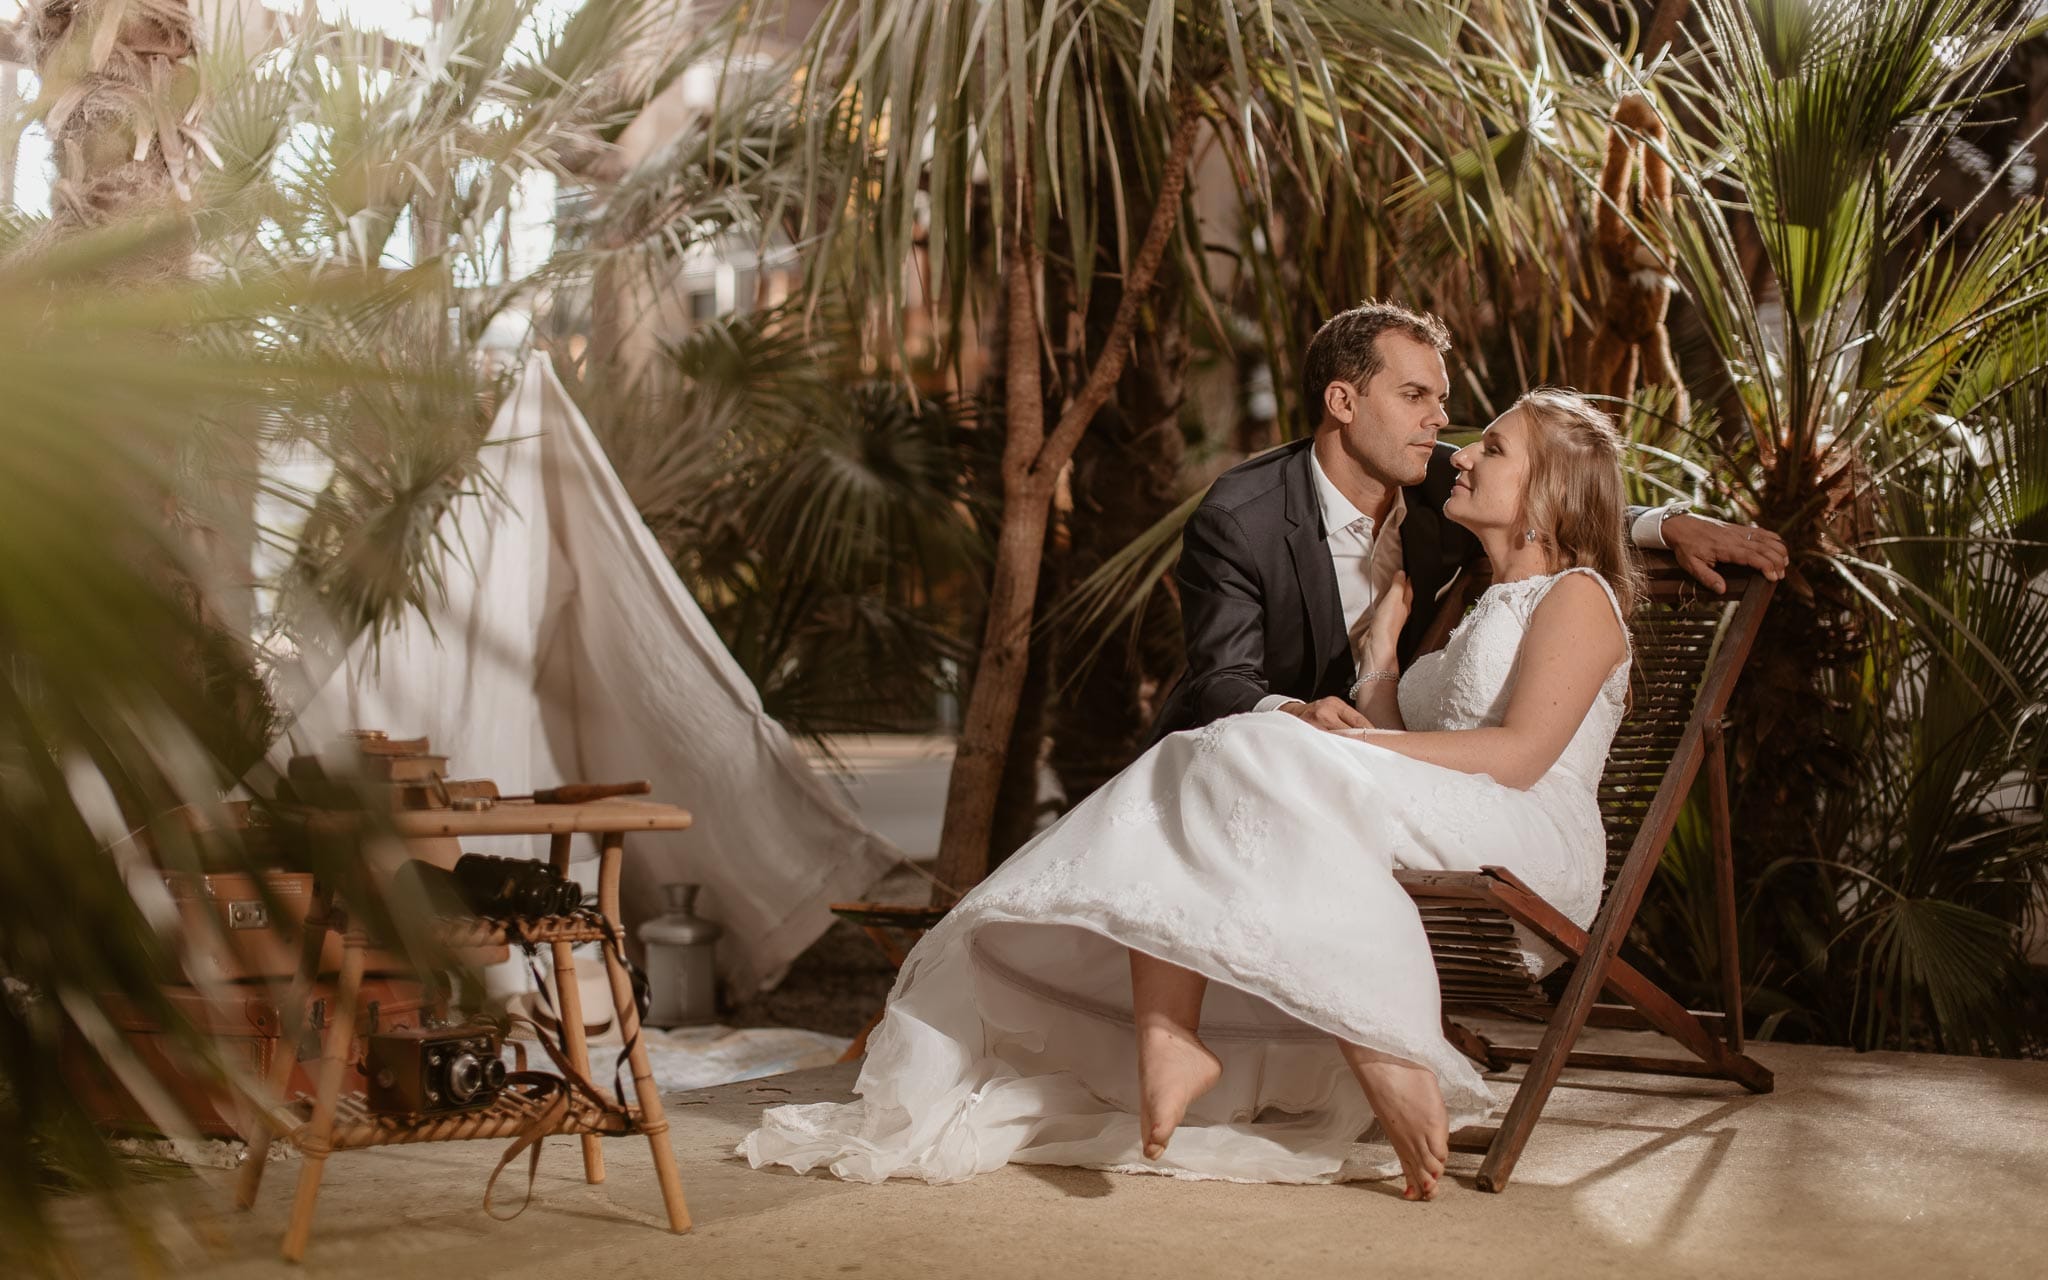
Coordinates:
248 915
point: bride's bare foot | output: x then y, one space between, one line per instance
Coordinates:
1174 1068
1410 1109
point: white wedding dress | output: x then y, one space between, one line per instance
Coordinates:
1258 851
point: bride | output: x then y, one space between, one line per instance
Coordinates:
1207 969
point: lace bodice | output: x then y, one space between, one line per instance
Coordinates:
1467 683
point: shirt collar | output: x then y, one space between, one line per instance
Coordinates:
1338 513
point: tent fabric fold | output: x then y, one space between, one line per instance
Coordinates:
567 649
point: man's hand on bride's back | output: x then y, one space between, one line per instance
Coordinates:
1327 713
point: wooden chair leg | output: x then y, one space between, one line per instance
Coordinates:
569 1005
653 1121
1724 884
897 954
1538 1080
1596 965
315 1141
1470 1043
312 940
1658 1008
880 937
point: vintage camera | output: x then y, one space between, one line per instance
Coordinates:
514 887
433 1069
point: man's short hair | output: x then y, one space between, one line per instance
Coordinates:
1347 348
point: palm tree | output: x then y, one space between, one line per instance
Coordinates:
120 87
817 515
919 100
1888 374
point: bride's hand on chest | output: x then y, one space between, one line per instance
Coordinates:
1389 615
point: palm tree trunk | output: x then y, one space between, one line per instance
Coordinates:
10 152
976 781
1017 807
1032 462
1664 24
1125 478
98 125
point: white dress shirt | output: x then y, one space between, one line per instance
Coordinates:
1365 558
1647 533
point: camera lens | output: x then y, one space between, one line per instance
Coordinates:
494 1075
465 1077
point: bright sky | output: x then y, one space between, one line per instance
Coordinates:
533 212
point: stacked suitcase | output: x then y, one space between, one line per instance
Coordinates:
247 955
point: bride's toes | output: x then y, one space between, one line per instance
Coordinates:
1421 1170
1433 1171
1410 1109
1174 1068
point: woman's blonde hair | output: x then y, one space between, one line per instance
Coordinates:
1574 496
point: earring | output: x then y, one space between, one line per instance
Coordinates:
1528 535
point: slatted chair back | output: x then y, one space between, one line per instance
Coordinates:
1677 630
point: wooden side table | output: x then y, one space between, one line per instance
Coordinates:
332 1122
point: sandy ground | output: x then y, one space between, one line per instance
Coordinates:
1861 1166
1858 1166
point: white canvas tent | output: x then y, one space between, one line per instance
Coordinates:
567 649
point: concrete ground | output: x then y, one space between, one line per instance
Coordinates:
1861 1166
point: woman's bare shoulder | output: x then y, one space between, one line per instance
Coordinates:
1579 610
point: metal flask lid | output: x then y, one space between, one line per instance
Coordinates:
681 927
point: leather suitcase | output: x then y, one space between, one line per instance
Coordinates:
245 1023
248 943
255 930
254 938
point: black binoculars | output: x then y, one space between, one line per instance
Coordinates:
494 886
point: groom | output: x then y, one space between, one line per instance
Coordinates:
1283 561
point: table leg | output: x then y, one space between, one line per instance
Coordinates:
291 1028
569 1004
315 1141
653 1121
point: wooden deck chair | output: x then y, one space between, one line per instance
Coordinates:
1689 648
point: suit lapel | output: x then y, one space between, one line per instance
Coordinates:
1313 570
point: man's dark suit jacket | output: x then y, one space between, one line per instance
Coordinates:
1258 594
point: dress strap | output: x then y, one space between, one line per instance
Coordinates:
1627 640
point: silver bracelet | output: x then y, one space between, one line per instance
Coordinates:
1367 679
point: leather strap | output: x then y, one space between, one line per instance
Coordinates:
546 1118
551 1093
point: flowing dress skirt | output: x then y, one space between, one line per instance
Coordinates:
1257 851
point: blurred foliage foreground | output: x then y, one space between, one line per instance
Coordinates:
276 243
